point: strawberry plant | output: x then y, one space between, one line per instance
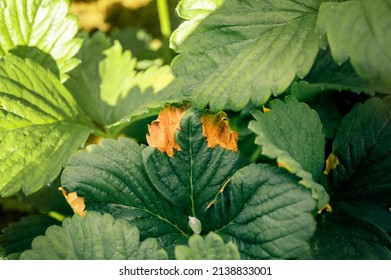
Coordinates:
267 136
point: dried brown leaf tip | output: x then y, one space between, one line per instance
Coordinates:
331 163
161 132
215 127
76 202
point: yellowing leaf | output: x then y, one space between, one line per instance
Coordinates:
331 163
76 202
162 131
216 129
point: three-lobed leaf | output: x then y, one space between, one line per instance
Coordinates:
184 175
94 237
231 52
41 126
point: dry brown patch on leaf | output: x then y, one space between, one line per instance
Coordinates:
161 132
76 202
331 163
215 128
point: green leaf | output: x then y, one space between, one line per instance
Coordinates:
43 24
362 147
153 191
360 186
17 237
109 88
95 237
328 105
192 177
292 134
235 51
328 75
161 188
210 247
266 213
359 31
41 126
344 236
142 46
111 178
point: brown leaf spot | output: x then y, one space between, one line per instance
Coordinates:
266 109
161 132
327 208
76 202
215 128
280 164
331 163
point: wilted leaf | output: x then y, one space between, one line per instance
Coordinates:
76 202
216 129
162 131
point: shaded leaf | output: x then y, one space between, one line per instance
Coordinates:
326 74
363 148
43 24
210 247
359 31
17 236
227 59
159 193
111 177
344 236
93 237
41 126
291 133
147 187
360 186
266 213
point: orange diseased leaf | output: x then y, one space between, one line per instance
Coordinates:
327 208
76 202
331 163
215 128
161 132
282 165
220 192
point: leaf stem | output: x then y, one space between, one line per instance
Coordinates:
165 28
